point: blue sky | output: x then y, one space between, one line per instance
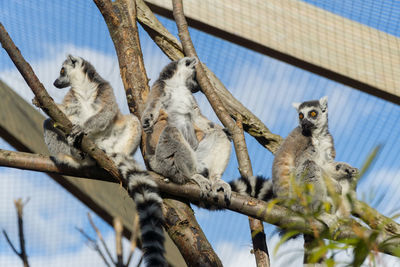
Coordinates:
45 31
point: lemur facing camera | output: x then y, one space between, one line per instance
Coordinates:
91 107
190 147
306 159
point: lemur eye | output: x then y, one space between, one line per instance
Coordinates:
301 116
62 71
187 63
313 113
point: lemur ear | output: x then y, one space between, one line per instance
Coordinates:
72 59
323 102
296 105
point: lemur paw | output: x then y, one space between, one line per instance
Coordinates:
74 138
148 122
204 184
221 185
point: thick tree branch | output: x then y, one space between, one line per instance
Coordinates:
245 169
179 214
267 212
120 17
46 103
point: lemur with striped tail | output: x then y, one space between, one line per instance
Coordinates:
91 107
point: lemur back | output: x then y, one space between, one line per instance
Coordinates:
189 146
91 106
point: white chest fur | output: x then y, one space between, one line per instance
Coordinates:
86 95
180 101
323 148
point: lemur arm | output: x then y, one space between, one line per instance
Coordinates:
105 115
153 107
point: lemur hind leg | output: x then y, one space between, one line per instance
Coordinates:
175 159
213 155
60 150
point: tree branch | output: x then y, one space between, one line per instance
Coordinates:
120 17
118 227
245 169
267 212
173 49
94 244
135 231
100 236
46 103
19 206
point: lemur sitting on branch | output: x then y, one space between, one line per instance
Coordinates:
305 162
182 144
91 107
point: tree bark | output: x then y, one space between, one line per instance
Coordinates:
242 155
120 17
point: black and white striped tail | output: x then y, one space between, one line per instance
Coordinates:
255 186
144 192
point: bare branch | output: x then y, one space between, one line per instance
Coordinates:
118 227
19 206
100 236
47 104
245 169
267 212
94 245
10 243
135 231
176 224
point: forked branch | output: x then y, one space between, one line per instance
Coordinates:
19 206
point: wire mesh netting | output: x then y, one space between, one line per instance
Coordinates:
323 33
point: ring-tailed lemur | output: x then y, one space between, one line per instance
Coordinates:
306 157
179 155
91 106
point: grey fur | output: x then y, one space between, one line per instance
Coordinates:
91 106
179 155
306 158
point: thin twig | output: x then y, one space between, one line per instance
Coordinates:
135 231
19 206
10 243
259 240
100 236
94 245
118 241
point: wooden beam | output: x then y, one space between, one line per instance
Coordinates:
21 126
302 35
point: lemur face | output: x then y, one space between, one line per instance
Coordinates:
312 115
181 71
69 69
